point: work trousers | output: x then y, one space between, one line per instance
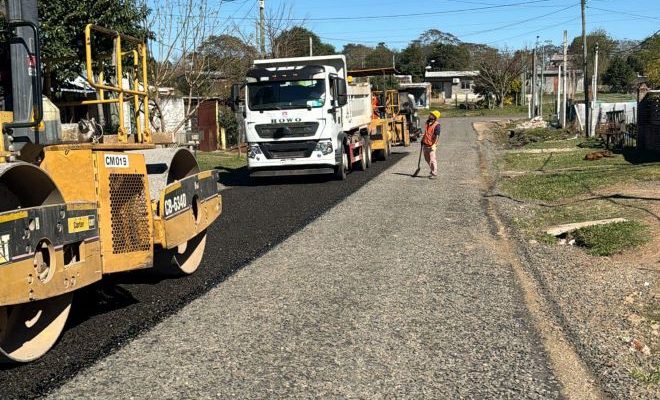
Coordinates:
429 156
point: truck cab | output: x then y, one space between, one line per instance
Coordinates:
298 117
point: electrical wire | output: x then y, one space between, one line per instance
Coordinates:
625 13
427 13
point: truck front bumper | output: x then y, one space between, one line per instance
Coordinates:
267 164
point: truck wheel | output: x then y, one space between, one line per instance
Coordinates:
362 166
384 154
340 170
368 154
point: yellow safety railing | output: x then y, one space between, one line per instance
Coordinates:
139 59
392 102
391 107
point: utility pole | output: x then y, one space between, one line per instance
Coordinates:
311 47
262 26
542 80
534 103
256 35
595 96
585 81
563 108
558 103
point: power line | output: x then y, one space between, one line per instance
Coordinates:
625 13
472 33
517 22
638 45
554 25
353 18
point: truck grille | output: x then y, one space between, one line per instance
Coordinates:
129 214
292 130
278 150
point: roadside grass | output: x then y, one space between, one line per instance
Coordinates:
649 377
554 144
534 223
566 184
451 111
615 97
557 160
220 160
605 240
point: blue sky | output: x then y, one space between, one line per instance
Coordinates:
483 21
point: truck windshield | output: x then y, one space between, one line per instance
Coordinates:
286 95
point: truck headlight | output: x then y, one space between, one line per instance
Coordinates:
255 150
325 147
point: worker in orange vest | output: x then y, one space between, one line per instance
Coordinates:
430 141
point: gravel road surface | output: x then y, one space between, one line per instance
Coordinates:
106 316
396 291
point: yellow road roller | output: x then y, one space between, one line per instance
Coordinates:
73 209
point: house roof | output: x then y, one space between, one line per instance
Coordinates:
415 85
449 74
77 85
357 73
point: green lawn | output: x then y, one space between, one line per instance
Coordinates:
554 144
566 179
450 111
566 184
220 160
605 240
556 160
615 97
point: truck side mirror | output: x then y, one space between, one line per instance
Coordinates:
235 99
342 92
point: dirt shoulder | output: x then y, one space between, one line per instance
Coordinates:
607 305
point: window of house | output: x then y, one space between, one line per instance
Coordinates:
466 85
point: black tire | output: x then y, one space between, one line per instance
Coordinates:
362 164
368 154
383 154
340 170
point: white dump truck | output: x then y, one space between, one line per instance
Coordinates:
302 117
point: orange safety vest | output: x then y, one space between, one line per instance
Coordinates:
429 137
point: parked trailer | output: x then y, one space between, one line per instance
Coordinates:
73 212
302 117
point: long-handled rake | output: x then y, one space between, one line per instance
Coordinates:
419 162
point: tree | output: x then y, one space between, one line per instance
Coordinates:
413 61
294 42
435 36
63 24
449 57
498 72
649 53
636 64
477 52
356 55
381 56
606 47
228 55
179 56
619 75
